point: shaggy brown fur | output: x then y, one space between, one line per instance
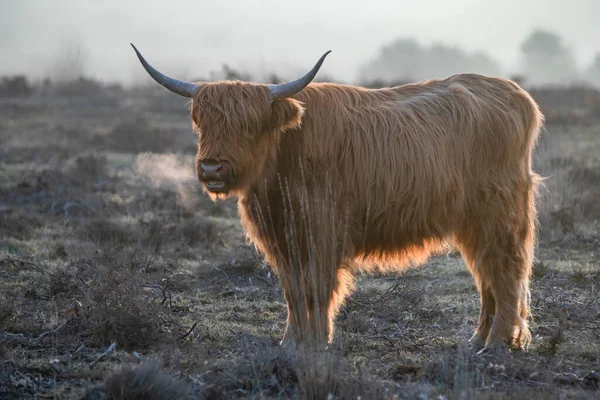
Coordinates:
340 178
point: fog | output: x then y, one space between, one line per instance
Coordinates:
170 172
191 39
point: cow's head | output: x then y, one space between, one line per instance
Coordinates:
239 125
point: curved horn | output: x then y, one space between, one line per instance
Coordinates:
182 88
291 88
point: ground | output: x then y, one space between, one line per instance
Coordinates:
117 275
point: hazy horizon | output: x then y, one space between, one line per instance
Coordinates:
189 39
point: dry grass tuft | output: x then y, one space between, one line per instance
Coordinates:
7 311
107 233
90 165
264 370
326 375
144 382
540 269
18 224
63 283
549 346
119 309
201 231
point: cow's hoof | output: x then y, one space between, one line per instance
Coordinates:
476 343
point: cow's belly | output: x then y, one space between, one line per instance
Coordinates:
402 235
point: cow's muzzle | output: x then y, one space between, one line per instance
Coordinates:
216 175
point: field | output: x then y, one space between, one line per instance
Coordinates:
119 277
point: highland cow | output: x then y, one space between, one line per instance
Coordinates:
332 179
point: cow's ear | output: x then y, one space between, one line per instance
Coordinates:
286 114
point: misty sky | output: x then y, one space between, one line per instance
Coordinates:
190 38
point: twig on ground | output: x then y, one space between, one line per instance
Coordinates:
139 357
101 356
220 270
9 336
84 282
165 292
545 276
19 338
44 334
268 282
189 332
388 292
26 263
9 276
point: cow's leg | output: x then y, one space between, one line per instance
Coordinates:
297 312
499 252
313 304
501 272
486 318
304 291
313 250
509 275
510 322
469 244
329 301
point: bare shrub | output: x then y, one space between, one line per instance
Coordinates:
575 104
18 224
118 311
144 382
153 234
86 170
62 282
550 345
230 73
91 165
540 269
460 371
325 375
105 232
200 231
15 86
355 322
263 370
118 306
568 201
80 87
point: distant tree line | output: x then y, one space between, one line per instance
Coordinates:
405 59
544 59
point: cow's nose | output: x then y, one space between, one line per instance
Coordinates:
211 165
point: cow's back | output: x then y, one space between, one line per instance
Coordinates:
407 163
